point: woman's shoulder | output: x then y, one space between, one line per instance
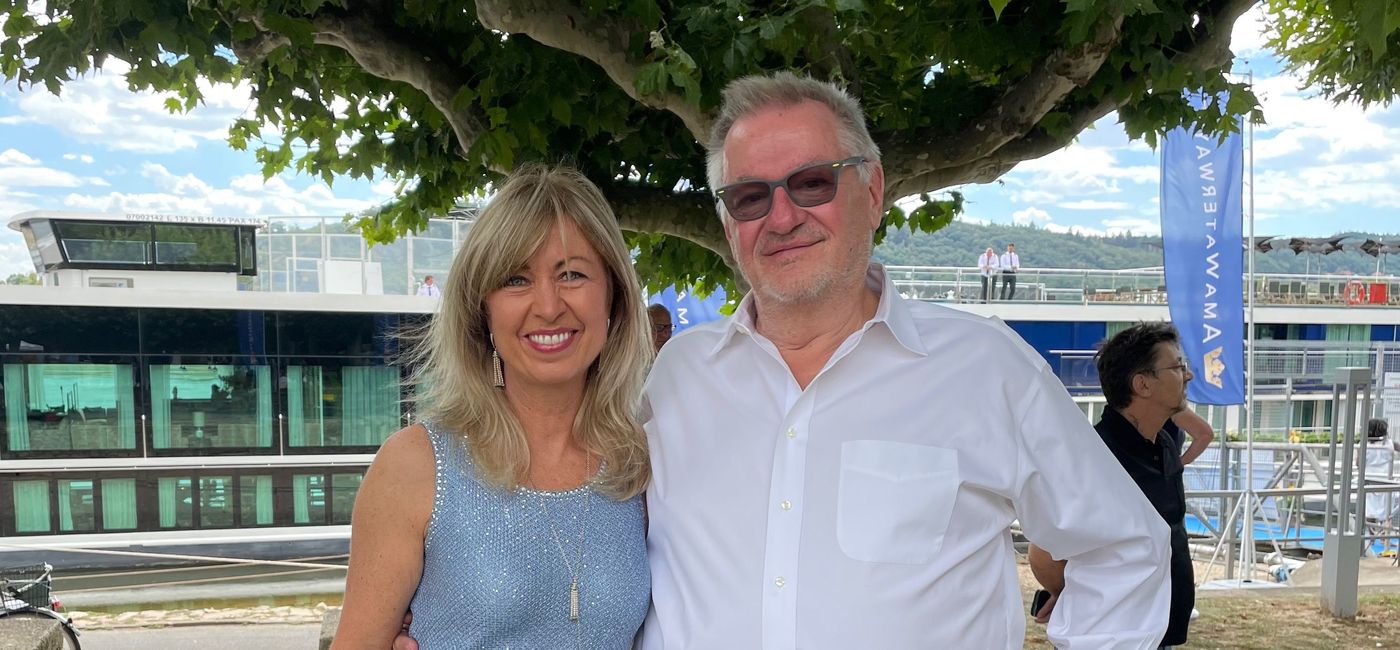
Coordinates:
406 458
406 444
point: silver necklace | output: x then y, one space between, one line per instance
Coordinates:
575 567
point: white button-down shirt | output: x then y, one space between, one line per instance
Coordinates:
1010 262
988 264
871 510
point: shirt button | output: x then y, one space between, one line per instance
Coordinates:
791 433
780 581
785 505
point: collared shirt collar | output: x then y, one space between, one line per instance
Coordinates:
892 311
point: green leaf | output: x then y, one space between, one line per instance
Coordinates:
998 6
651 78
243 31
1371 18
497 116
561 110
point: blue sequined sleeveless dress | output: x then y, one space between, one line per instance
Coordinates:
493 575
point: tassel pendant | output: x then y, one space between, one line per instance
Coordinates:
498 378
573 600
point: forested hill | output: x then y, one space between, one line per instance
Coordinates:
960 243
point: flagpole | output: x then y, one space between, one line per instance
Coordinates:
1247 552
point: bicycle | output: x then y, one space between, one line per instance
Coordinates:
28 591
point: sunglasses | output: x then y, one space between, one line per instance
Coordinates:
806 187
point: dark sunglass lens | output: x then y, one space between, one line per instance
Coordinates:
812 186
747 200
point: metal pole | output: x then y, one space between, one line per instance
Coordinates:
1288 408
1228 503
1247 548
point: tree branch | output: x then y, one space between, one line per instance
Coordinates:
1210 47
910 169
1022 107
380 54
384 56
569 27
251 52
688 215
828 58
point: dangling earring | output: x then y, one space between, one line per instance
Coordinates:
496 374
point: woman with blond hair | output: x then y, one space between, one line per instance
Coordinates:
511 515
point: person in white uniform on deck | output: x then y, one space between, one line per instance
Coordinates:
837 467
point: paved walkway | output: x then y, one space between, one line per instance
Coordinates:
205 637
199 617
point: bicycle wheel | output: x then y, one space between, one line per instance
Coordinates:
65 628
70 637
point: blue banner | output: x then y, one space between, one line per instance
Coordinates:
688 310
1202 217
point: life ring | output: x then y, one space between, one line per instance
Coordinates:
1355 292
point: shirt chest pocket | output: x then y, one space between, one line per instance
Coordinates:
895 500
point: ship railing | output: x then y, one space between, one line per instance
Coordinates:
1279 366
1138 286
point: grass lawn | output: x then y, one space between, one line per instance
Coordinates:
1280 621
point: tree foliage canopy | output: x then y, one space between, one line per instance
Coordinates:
447 96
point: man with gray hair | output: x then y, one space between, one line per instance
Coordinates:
837 467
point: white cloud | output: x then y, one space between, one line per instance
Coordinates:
1250 34
1077 171
18 177
1031 196
1321 188
385 189
1314 127
98 108
1132 226
84 158
1091 204
1029 216
14 254
246 195
974 220
1075 230
16 157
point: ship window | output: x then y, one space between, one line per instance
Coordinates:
119 504
216 501
308 498
247 253
66 406
348 406
76 507
343 490
110 243
32 507
175 500
67 330
338 335
200 406
42 243
186 245
255 501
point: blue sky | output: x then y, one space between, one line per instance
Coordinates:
1319 168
